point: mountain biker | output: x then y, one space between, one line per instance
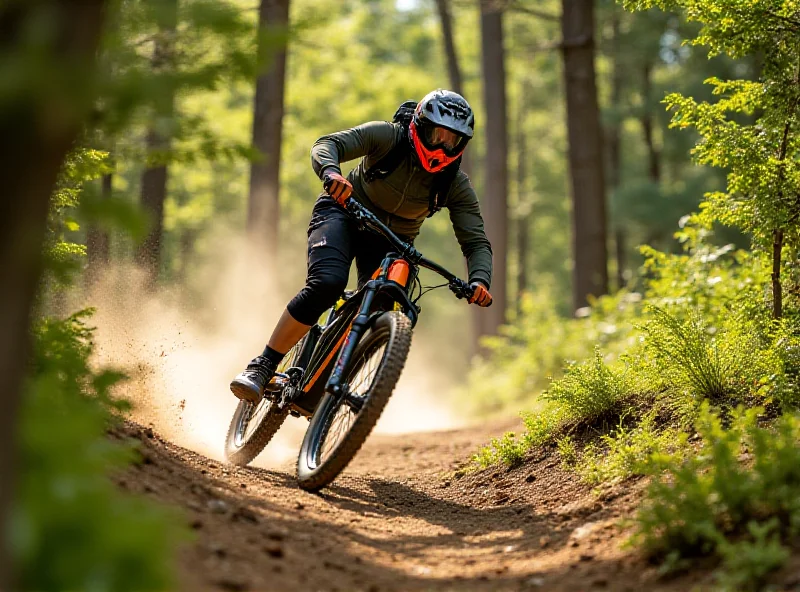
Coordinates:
440 128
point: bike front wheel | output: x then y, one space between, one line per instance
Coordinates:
340 425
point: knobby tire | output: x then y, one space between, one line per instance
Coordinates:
271 422
396 327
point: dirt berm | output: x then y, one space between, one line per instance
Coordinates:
398 519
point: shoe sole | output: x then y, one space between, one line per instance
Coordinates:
245 394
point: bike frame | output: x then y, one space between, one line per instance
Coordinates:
344 328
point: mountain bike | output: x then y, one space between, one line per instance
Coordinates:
341 374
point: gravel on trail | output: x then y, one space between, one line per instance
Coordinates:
401 517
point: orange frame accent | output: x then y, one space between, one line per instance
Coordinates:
398 272
328 359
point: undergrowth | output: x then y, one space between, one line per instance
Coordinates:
665 395
738 499
72 528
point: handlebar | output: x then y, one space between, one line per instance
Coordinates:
456 285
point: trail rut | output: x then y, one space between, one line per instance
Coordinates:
398 519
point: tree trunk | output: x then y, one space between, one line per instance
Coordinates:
777 289
653 154
154 178
523 207
187 242
36 131
620 246
495 205
453 69
98 242
614 144
590 272
263 215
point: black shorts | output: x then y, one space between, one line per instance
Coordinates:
334 240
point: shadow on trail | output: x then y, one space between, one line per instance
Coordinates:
255 530
460 525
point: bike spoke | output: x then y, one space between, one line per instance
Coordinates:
254 414
366 366
362 381
338 429
256 417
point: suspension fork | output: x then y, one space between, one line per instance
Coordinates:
360 324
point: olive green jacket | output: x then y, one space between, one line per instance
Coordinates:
401 199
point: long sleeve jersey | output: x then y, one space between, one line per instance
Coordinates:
400 200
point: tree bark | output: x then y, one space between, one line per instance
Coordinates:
590 272
495 205
154 178
36 131
653 154
777 289
453 68
523 208
98 242
263 215
614 144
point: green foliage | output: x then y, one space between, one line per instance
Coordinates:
750 132
590 390
714 280
534 349
507 450
746 563
62 256
689 356
627 450
540 426
72 528
742 486
568 451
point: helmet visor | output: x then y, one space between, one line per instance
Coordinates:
440 137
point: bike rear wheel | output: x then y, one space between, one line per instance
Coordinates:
254 425
337 431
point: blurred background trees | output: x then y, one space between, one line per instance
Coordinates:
200 115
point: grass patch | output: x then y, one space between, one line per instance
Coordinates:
591 390
738 499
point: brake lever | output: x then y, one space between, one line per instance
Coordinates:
460 288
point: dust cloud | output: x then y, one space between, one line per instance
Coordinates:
181 351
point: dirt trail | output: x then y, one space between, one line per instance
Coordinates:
398 519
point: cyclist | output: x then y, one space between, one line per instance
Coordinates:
424 153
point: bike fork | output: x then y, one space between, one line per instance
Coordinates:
334 385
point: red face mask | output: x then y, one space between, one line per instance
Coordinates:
435 159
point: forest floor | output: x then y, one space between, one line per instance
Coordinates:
401 518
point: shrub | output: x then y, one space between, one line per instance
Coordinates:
507 450
590 390
568 451
743 484
747 562
541 426
627 451
536 346
688 354
784 383
72 529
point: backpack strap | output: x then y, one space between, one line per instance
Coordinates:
441 187
386 165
